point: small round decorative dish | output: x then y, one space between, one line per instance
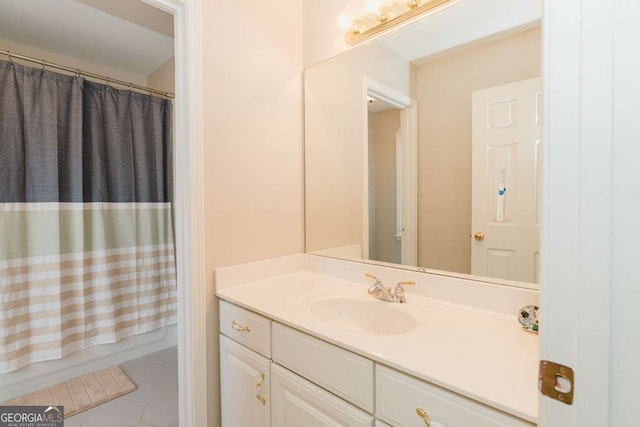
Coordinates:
528 318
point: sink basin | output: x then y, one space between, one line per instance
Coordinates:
370 317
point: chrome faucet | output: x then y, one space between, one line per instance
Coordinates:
398 292
379 291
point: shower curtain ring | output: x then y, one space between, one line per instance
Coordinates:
77 73
107 83
10 58
130 88
43 66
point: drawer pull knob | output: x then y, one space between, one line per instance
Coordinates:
259 396
235 325
424 415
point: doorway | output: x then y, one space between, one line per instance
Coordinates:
187 161
390 175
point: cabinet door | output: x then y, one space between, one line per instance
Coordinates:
244 386
297 402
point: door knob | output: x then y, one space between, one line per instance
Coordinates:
479 236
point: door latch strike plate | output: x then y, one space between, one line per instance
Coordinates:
556 381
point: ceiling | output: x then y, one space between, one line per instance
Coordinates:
127 35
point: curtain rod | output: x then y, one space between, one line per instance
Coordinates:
76 71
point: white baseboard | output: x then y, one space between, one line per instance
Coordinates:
45 374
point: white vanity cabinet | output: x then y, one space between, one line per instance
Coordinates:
274 375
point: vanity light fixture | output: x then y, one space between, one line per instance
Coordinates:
389 15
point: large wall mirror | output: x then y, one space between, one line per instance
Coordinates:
423 146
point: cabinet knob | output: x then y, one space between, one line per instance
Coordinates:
424 415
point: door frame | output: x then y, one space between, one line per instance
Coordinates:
409 130
578 194
189 210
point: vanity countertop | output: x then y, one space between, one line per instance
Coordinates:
477 353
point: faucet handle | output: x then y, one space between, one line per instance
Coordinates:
371 276
398 292
407 283
377 288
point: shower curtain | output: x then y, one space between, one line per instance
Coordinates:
86 239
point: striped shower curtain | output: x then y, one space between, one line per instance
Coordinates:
86 239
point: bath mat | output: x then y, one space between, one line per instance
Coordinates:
81 393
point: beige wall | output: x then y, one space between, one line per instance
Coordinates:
69 62
334 141
444 91
253 155
382 186
325 22
164 77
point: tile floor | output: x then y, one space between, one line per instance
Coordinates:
153 404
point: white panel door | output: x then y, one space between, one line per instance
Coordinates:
298 402
244 386
506 184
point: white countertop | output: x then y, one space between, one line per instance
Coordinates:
480 354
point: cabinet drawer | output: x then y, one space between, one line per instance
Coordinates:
246 327
296 402
398 396
343 373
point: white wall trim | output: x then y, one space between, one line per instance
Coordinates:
576 238
189 210
409 128
386 94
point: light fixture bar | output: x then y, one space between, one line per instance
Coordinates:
355 36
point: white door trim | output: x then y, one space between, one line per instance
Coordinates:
576 234
409 130
189 210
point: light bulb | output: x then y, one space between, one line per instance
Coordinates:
344 22
382 16
373 6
